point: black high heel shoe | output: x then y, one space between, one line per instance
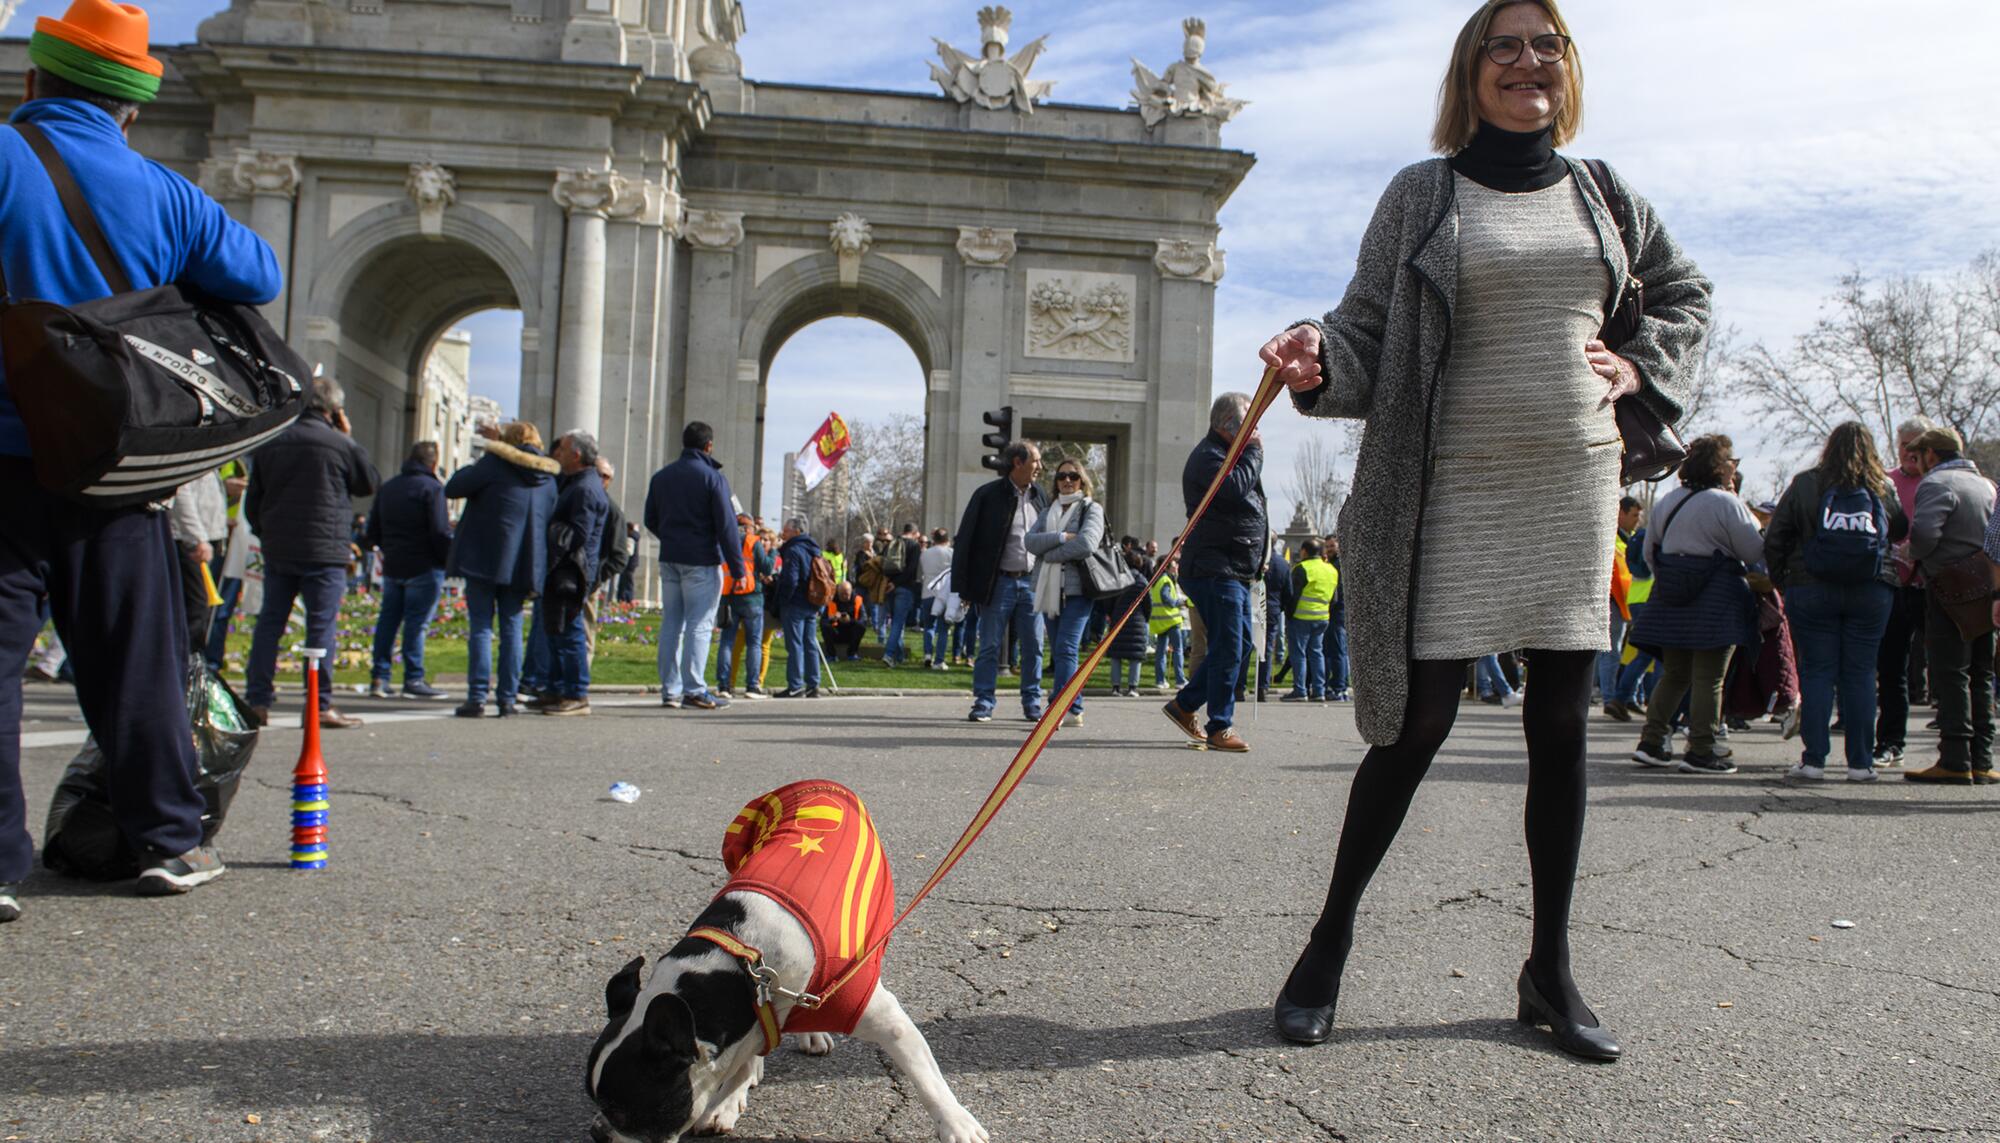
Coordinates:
1591 1043
1300 1024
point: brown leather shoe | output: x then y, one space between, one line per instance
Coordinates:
1986 777
331 719
1184 720
260 716
1938 775
1228 741
565 706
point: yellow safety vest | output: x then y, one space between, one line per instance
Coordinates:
1316 601
1164 618
1641 589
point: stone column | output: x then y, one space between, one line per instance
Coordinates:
272 182
588 197
714 327
1185 348
986 253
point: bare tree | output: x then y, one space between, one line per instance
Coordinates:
1317 483
1094 456
1883 352
885 478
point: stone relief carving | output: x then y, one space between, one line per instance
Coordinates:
432 188
216 176
992 81
265 173
1183 258
589 192
851 236
646 203
1080 316
713 229
1187 88
986 245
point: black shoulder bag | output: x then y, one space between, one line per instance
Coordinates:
128 397
1652 449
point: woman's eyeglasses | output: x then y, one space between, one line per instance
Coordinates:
1504 50
1060 476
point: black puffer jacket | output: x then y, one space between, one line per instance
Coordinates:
1233 539
408 523
300 501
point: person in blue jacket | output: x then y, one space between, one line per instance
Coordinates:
688 508
109 575
501 551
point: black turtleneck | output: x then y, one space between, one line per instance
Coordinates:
1510 161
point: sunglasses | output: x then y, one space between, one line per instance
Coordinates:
1069 476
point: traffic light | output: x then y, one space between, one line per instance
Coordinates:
1003 420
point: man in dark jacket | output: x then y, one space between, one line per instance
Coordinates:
576 537
408 525
906 589
688 509
300 505
1278 601
992 570
501 551
108 575
1954 508
796 553
614 555
1223 556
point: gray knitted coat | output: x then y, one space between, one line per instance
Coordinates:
1383 354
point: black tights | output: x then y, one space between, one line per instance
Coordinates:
1554 716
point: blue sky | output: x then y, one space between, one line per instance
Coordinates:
1783 142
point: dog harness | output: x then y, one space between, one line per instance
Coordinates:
811 847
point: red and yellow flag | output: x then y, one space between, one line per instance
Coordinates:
823 451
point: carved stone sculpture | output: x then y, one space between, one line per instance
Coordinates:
985 245
713 229
1183 258
1187 88
1080 317
589 191
432 188
265 173
992 81
851 237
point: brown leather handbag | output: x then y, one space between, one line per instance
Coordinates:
1653 451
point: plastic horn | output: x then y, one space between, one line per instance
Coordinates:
309 804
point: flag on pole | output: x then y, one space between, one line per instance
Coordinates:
823 451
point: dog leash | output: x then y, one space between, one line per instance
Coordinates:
1045 728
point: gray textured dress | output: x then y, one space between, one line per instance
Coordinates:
1522 511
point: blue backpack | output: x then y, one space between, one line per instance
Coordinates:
1850 538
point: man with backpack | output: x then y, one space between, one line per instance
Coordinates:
902 566
1827 546
805 585
109 575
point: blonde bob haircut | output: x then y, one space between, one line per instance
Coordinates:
1458 98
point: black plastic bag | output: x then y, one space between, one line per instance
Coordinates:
83 838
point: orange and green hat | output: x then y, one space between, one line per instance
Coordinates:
99 45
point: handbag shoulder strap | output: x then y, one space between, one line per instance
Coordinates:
1601 175
81 217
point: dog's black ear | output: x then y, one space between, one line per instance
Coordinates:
622 990
670 1027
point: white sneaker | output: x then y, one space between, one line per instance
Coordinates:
1511 698
1812 773
1860 774
1720 750
1072 720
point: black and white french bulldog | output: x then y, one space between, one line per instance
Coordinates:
681 1052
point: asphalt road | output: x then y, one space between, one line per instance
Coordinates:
1100 967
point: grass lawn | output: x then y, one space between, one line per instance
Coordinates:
627 652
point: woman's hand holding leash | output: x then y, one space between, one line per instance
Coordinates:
1295 355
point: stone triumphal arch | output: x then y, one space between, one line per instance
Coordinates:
664 224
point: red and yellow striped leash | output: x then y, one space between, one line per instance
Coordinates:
1045 729
763 978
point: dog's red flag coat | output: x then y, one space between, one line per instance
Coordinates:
811 847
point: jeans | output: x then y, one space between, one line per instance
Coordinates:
1125 674
1607 661
569 655
1308 657
1171 642
1961 680
1224 605
1012 605
1336 654
484 602
1070 625
688 595
1837 629
1697 677
322 586
538 665
801 648
902 603
1903 634
1489 678
409 604
1276 642
217 645
746 612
